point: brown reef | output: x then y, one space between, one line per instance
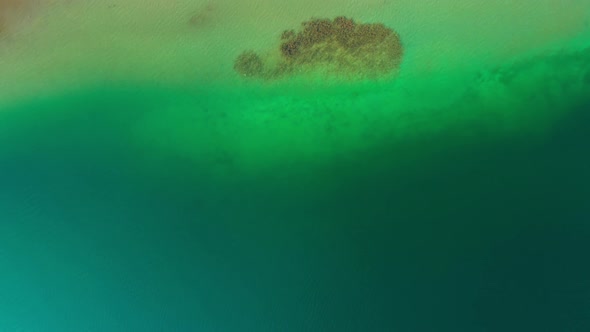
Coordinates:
340 48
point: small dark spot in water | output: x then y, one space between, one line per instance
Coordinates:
203 16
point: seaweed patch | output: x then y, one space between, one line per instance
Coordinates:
339 48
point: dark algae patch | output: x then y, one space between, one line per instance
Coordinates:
339 48
249 64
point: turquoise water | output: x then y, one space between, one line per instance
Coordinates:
451 200
466 234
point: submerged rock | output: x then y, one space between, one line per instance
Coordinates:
339 48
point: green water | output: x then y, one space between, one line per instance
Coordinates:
451 200
462 229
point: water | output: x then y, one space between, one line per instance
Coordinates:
453 201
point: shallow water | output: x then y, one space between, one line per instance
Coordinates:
143 187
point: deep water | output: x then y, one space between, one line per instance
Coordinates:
461 231
146 186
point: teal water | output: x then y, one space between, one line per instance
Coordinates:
145 186
455 233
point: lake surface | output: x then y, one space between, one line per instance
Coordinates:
144 186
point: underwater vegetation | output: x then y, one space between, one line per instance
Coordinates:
339 48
